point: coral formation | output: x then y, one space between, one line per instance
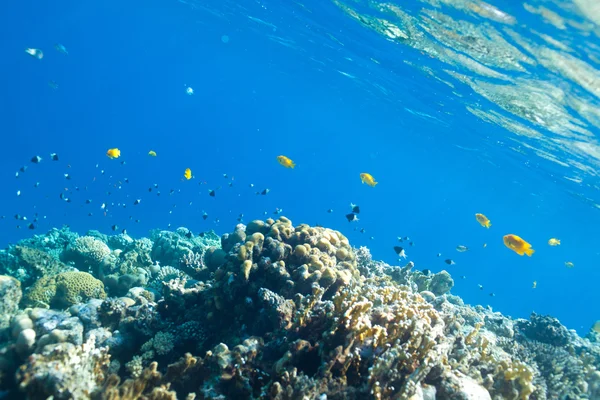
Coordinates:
64 290
270 311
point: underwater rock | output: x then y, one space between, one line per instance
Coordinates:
63 371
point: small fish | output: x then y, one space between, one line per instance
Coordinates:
31 226
138 201
330 210
362 230
463 277
113 153
569 264
278 211
355 208
88 201
152 153
265 192
124 231
400 251
103 206
461 249
480 286
518 245
426 272
351 217
189 91
188 234
449 262
596 327
36 184
372 238
554 242
241 217
54 156
439 254
483 220
225 176
114 227
492 294
23 168
18 192
286 162
36 159
211 193
36 53
187 174
53 85
61 49
534 285
204 215
368 179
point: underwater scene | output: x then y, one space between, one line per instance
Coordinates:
300 200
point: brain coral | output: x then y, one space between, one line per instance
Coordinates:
87 251
64 290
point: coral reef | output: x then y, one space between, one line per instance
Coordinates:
268 311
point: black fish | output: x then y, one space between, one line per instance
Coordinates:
149 189
449 262
114 227
54 156
23 168
399 250
330 210
31 226
204 216
362 230
88 201
211 193
355 208
36 159
201 234
426 272
135 203
124 231
188 235
264 192
351 217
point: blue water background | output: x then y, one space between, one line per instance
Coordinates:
123 85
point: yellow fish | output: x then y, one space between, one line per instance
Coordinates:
596 327
483 220
187 174
534 285
554 242
113 153
518 245
368 179
569 264
152 153
286 162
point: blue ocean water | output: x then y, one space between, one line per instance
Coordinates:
341 89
